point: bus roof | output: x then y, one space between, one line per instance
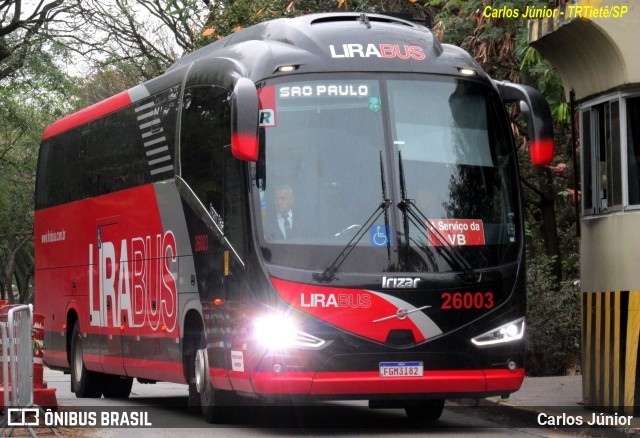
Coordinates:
331 42
336 42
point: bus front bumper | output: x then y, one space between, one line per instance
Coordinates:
364 384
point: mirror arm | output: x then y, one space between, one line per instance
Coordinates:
536 110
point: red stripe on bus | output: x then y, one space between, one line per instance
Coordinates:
220 378
240 380
148 369
369 382
56 358
155 369
88 114
504 380
282 383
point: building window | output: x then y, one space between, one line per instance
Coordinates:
602 160
633 149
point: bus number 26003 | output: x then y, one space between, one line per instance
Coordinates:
467 300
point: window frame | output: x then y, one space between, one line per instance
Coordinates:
622 97
592 108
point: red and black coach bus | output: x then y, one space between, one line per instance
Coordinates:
398 276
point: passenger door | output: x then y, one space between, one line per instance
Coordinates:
109 259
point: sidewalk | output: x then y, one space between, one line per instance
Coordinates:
557 402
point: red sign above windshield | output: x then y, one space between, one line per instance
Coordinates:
456 232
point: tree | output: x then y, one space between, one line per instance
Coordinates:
17 171
29 83
231 16
145 35
30 99
105 81
23 32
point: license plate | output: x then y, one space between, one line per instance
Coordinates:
401 369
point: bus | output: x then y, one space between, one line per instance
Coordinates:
322 207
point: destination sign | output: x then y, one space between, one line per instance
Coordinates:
324 90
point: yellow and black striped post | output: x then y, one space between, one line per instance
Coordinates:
610 332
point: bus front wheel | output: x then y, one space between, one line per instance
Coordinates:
210 399
117 386
85 383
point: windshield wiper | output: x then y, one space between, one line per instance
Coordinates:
387 202
411 213
328 274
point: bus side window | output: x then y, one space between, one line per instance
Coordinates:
205 130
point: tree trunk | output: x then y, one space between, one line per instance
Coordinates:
550 237
24 292
11 265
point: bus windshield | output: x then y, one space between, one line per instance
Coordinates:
445 151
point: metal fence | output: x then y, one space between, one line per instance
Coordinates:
16 325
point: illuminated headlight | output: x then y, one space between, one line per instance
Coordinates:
509 332
278 332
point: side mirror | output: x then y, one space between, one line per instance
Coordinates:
535 109
524 110
244 120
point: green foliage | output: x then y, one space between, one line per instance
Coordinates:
29 100
531 58
553 319
106 81
231 16
560 112
18 145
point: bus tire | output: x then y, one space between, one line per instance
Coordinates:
85 383
212 401
424 411
117 386
193 402
193 340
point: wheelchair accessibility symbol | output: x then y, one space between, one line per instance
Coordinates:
378 235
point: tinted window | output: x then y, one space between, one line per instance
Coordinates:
205 130
124 149
112 155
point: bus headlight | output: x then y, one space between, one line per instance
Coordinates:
274 332
512 331
279 332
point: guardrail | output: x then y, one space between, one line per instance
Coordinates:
16 326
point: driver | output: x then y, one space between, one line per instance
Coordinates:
287 224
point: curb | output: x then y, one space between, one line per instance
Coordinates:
529 415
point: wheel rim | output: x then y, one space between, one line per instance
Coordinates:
200 371
77 359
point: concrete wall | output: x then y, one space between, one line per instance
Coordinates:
592 55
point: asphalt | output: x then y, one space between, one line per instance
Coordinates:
549 403
557 402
